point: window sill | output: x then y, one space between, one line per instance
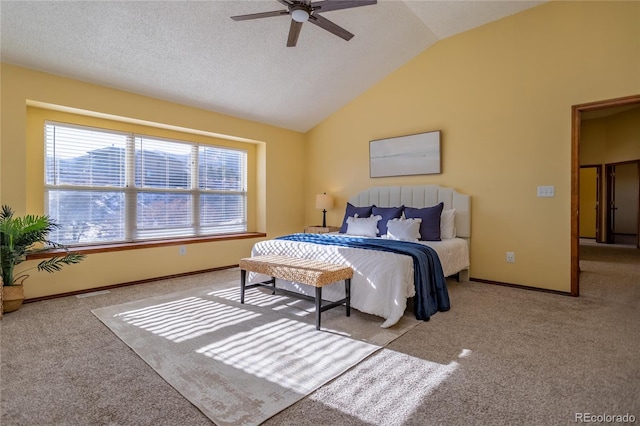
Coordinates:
104 248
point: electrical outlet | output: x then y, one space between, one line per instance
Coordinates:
183 250
511 257
546 191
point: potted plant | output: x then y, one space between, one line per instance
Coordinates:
20 237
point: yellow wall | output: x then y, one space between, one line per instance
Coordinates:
593 147
279 155
501 94
611 139
623 136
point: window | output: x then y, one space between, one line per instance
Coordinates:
104 186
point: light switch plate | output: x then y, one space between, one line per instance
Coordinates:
546 191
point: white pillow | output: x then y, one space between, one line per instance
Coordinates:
448 224
363 226
403 229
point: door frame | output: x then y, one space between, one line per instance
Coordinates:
609 218
576 121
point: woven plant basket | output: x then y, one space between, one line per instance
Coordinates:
12 297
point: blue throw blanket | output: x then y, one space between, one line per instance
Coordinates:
431 287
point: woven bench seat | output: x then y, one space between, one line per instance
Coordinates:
303 271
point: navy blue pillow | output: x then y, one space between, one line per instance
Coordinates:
387 214
351 211
430 226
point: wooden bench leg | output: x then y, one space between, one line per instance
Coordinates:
318 306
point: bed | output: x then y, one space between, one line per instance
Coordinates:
383 280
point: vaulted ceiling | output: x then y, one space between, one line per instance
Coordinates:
191 52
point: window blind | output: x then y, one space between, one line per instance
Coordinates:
108 186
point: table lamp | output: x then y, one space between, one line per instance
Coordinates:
324 202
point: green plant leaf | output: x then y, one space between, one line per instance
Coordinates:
56 263
21 236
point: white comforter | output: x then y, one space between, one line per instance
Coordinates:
382 281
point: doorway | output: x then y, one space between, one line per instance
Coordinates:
577 112
623 200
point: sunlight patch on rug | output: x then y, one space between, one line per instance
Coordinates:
253 296
286 352
186 318
379 394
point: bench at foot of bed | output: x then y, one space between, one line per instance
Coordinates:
304 271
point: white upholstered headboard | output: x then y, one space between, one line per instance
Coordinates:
419 196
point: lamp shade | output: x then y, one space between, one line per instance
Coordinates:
324 202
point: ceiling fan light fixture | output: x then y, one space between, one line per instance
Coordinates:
301 11
300 15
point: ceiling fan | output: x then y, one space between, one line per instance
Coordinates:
309 11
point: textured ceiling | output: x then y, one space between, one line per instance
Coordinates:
191 52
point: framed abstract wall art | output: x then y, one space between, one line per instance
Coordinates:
417 154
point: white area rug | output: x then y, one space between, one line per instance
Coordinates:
241 364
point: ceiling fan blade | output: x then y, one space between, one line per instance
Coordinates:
326 24
328 5
260 15
294 33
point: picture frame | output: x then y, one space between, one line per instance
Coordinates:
417 154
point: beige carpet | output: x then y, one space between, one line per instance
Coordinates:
500 356
242 364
